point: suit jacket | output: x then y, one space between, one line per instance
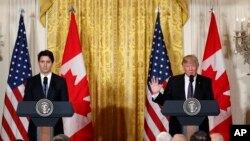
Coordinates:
57 91
175 91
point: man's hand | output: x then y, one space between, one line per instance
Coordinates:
155 86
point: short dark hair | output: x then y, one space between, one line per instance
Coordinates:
200 136
46 53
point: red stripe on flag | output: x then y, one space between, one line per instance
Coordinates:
17 94
154 117
7 129
148 131
15 118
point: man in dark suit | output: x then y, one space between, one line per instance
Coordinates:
45 85
178 87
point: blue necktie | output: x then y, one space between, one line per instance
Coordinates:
190 86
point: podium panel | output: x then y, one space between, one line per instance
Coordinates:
45 124
190 123
61 109
175 108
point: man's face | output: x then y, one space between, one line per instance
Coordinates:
190 68
45 64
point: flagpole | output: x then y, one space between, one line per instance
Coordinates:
46 30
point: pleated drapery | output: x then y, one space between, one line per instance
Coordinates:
116 38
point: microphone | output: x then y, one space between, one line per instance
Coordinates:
191 78
45 80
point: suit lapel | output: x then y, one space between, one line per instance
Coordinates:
51 90
39 87
182 88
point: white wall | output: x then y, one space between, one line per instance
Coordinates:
195 35
9 19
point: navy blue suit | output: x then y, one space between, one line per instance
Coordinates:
57 91
175 91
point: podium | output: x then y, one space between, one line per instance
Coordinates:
61 109
175 108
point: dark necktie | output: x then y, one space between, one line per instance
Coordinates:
45 83
190 86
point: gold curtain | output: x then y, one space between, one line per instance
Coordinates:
116 38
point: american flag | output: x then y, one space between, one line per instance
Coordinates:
14 127
159 67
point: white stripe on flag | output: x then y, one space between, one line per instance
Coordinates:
11 122
145 136
14 103
151 124
4 135
21 89
11 97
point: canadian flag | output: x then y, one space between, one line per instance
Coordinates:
79 126
213 66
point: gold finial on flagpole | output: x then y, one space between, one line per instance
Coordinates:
211 9
212 6
72 9
22 11
157 10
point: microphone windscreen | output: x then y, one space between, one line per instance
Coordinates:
45 80
191 78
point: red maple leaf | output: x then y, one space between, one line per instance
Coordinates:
77 93
220 87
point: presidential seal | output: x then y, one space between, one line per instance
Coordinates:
192 106
44 107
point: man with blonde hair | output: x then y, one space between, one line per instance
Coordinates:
181 87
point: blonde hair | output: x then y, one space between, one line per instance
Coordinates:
190 59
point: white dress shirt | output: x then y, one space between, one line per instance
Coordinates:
49 79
